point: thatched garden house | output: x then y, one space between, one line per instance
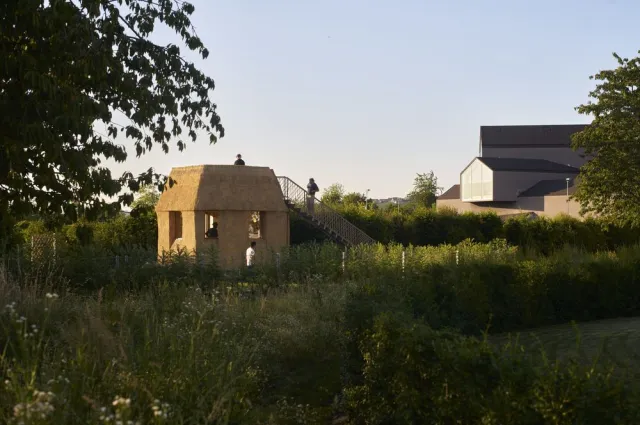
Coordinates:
225 206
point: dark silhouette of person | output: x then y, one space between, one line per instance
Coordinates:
213 231
312 189
239 160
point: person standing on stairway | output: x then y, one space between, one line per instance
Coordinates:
239 160
312 189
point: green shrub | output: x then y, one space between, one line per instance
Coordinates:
425 226
413 374
77 360
281 346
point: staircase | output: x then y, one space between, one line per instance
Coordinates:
321 216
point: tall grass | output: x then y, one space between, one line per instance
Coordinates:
304 340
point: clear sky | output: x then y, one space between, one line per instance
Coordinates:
369 93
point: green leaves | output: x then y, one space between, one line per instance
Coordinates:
609 182
67 67
425 190
333 194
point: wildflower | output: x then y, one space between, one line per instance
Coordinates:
52 295
40 407
10 308
160 410
121 401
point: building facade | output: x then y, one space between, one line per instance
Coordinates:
520 170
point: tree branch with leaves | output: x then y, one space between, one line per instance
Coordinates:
70 65
609 184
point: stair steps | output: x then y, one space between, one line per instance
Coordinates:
322 217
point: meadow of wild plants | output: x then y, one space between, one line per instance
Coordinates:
312 337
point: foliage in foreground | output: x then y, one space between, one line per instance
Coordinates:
413 374
368 343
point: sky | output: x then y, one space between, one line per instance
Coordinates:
370 93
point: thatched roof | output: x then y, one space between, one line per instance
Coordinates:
222 188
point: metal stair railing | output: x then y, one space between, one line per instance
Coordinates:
324 214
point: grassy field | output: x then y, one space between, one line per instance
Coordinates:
615 340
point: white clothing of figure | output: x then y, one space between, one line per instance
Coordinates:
251 254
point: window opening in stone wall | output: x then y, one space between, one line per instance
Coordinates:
175 226
211 225
256 225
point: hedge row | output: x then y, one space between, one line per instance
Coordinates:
505 292
468 286
429 227
113 234
420 227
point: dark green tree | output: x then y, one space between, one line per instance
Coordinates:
425 190
609 184
72 67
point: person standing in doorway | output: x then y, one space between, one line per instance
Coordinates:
251 255
212 233
312 189
239 160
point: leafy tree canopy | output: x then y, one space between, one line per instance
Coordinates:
354 198
609 183
145 202
425 190
68 65
333 194
148 197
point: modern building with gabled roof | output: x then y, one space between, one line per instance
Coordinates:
520 169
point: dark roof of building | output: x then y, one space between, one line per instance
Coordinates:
452 193
550 188
526 165
528 135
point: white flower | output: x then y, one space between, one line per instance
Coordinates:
52 295
121 401
40 407
160 410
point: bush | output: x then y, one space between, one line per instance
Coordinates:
162 356
413 374
309 340
418 227
423 226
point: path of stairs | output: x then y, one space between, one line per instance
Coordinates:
321 216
